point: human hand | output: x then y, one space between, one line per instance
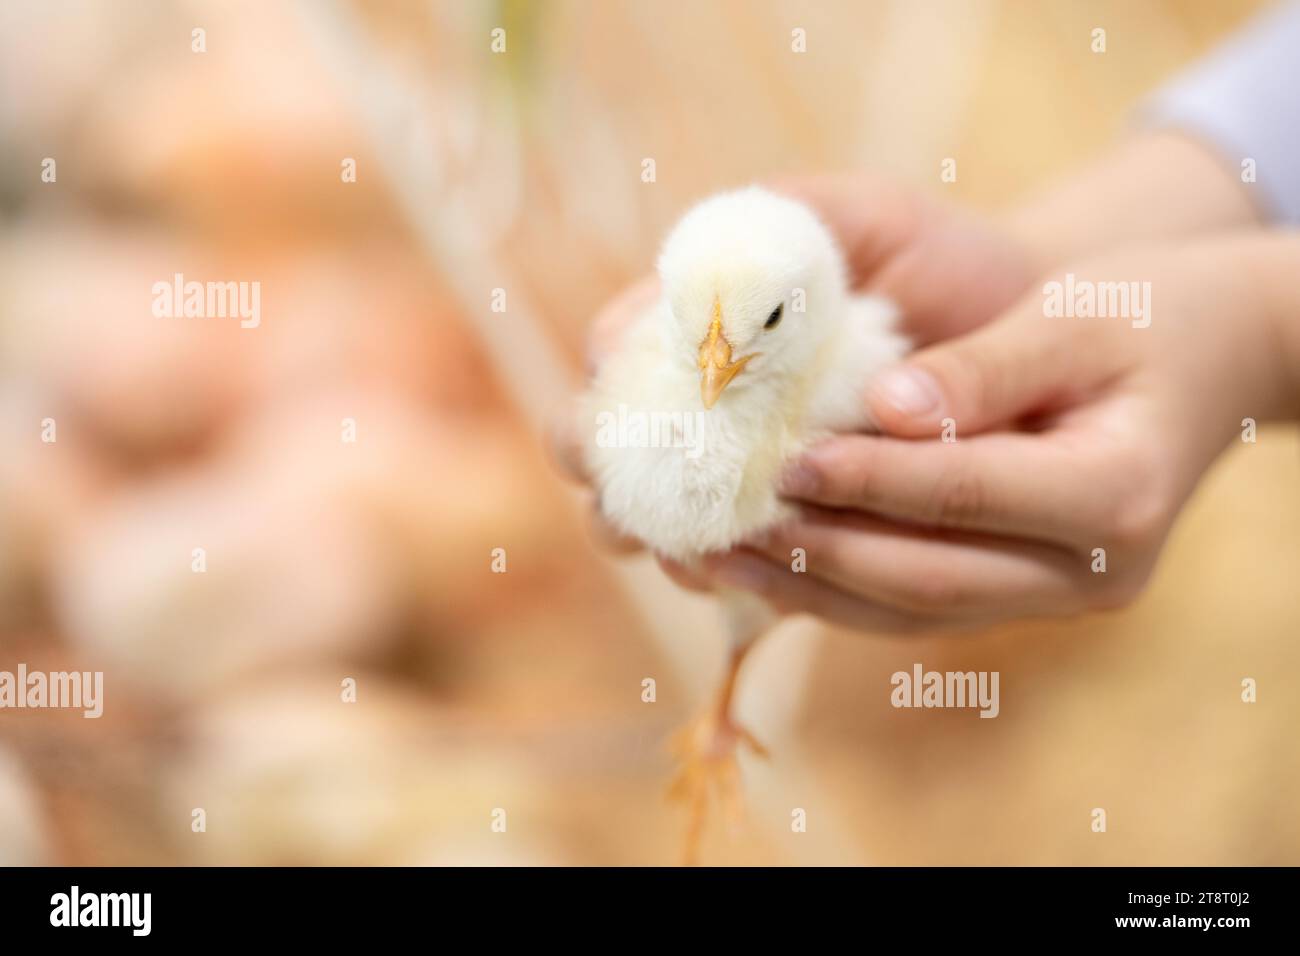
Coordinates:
1073 435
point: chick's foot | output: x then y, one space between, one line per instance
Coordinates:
708 773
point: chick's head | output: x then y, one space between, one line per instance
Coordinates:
755 284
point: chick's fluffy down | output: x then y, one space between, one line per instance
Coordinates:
686 479
689 481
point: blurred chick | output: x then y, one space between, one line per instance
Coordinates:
755 349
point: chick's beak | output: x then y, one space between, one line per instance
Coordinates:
716 367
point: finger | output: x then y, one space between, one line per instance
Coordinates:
789 592
1027 485
564 442
948 270
611 322
948 576
1017 366
871 218
958 273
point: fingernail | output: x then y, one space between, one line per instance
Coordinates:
908 389
799 479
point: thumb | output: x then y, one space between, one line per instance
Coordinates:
1012 367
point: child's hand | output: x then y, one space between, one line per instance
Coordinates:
1073 435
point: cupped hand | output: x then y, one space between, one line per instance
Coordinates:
1076 441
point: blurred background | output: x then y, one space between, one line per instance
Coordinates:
328 559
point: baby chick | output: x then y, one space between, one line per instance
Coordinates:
755 349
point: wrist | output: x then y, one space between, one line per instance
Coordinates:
1158 186
1270 263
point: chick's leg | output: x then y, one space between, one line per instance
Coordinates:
706 751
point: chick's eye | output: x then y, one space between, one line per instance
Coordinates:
774 319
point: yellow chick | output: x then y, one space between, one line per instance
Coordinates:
755 349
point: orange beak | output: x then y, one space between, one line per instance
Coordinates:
716 367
